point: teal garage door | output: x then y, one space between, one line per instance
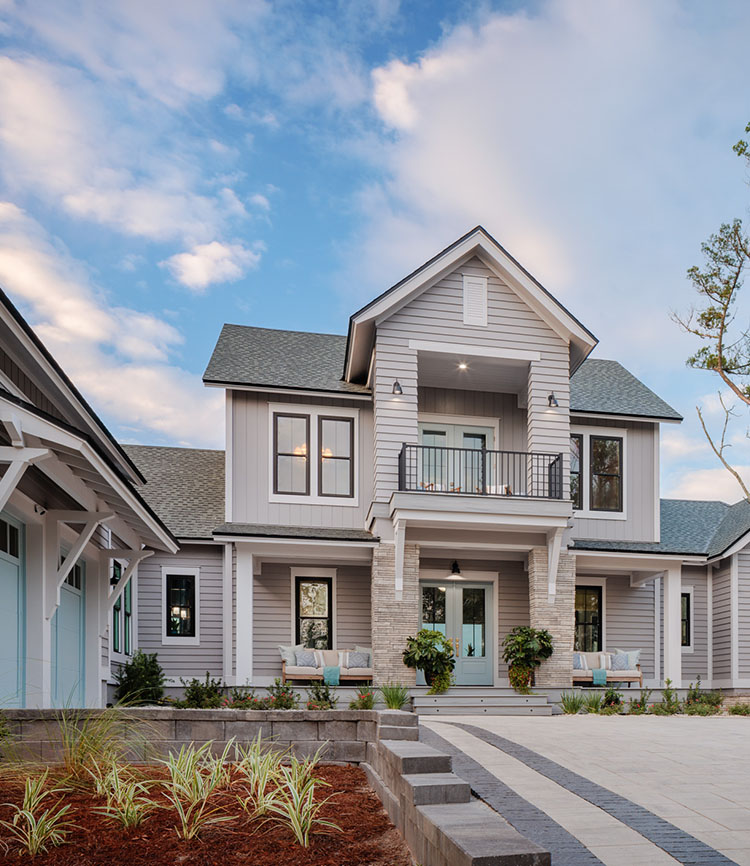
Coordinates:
68 683
12 614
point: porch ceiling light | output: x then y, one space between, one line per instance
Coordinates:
397 389
463 366
455 572
552 400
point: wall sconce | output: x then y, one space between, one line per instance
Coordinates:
552 400
455 573
397 389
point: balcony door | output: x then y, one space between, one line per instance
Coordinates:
463 613
449 463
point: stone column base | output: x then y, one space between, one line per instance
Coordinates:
557 615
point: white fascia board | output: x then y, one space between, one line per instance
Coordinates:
741 543
295 392
441 518
316 542
474 351
641 561
613 416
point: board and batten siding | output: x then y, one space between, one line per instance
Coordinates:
743 615
273 612
629 619
722 621
183 661
640 485
437 315
251 464
480 404
695 663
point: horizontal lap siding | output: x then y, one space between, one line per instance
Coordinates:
695 663
744 615
629 619
251 465
273 612
722 624
640 486
183 661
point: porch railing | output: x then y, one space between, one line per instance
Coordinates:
433 469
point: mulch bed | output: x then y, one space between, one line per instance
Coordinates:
367 839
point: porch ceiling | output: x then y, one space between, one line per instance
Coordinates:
501 375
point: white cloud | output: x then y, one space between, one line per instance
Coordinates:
709 484
261 201
211 263
119 357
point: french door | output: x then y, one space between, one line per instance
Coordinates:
451 456
463 613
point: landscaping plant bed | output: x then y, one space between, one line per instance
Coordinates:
366 836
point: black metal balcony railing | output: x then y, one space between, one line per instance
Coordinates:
432 469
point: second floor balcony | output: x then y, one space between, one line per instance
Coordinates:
480 472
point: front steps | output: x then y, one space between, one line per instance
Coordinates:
477 702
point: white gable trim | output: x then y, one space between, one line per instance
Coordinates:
475 351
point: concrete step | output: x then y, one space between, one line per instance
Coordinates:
409 758
398 732
483 710
429 788
491 700
397 718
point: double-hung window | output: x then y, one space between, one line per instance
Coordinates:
181 606
597 481
117 611
313 455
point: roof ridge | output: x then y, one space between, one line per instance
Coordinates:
173 447
282 330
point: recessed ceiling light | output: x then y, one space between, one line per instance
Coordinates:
463 366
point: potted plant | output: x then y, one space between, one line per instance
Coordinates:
524 649
432 653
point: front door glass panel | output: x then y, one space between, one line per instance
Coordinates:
473 623
433 608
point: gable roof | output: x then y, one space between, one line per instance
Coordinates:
477 242
265 357
688 527
185 486
606 387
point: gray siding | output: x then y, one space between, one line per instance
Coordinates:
183 661
273 614
481 404
251 465
437 315
744 615
640 486
629 619
695 663
722 622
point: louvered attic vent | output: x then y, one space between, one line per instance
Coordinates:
475 300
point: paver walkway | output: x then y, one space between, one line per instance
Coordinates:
625 790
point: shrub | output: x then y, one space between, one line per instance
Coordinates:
140 680
524 649
701 709
739 709
639 705
281 696
432 653
696 697
670 701
571 702
394 695
365 699
592 702
609 710
612 698
33 828
200 694
321 696
661 710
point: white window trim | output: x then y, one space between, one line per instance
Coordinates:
313 412
119 656
170 640
583 580
688 590
464 421
612 433
298 571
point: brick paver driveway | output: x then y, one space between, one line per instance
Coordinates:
616 790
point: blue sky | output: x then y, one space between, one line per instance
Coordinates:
166 167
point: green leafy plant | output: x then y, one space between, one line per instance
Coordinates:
701 710
660 710
697 697
739 709
394 695
612 698
524 649
33 828
321 696
441 682
219 767
282 696
432 653
365 699
572 702
592 702
202 694
258 765
189 789
638 706
140 680
670 700
128 802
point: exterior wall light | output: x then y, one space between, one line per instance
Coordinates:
397 389
455 572
552 400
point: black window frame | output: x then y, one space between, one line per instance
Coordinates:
578 504
686 630
116 611
298 581
340 419
621 475
127 618
600 625
277 453
168 606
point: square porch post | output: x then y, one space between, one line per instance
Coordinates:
672 625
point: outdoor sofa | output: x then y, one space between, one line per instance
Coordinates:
584 665
323 659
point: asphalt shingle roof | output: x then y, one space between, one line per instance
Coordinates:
690 527
269 531
606 386
184 486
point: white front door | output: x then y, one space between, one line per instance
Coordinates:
451 456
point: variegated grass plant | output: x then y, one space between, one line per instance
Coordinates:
35 827
127 798
259 767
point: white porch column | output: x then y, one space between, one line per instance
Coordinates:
244 616
38 626
672 620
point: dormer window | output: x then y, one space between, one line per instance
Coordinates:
475 300
291 436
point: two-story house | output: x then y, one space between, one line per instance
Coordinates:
455 462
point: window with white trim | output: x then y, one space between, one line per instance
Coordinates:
686 619
180 605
